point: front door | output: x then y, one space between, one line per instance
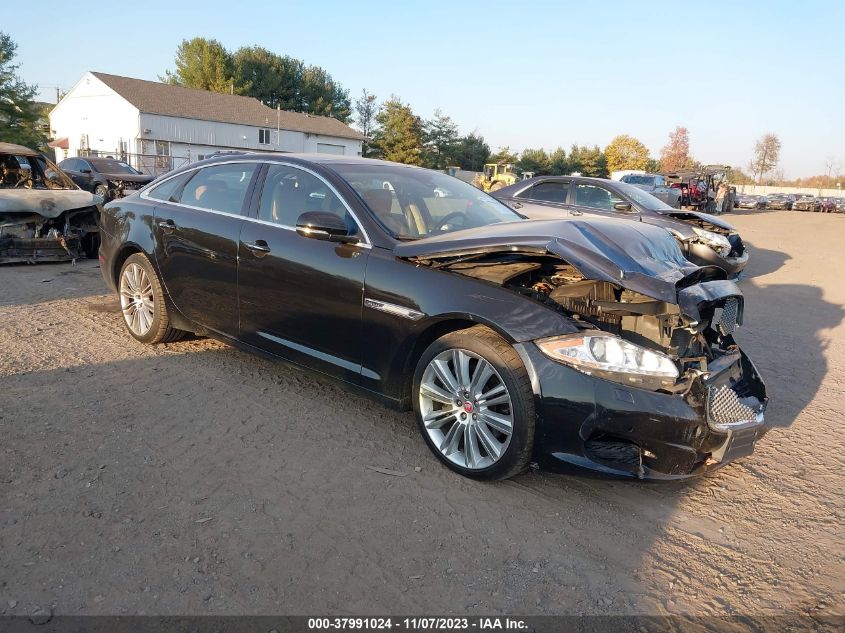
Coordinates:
301 298
197 227
595 200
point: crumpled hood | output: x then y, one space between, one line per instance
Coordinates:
634 255
697 215
142 178
50 203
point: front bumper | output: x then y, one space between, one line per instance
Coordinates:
608 427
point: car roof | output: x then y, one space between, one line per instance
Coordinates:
18 150
322 159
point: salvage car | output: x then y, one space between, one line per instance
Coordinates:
586 342
704 239
807 202
656 185
105 176
778 201
751 201
44 216
827 205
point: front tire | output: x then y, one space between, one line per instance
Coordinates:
474 404
142 303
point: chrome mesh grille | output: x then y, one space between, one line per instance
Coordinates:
726 316
725 409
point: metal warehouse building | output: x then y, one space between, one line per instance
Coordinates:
157 127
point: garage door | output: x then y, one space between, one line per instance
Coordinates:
328 148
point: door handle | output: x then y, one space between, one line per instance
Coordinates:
259 248
166 225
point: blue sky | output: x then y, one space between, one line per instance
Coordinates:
541 74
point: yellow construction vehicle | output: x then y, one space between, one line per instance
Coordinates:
494 177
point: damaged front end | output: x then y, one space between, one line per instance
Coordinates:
710 241
31 237
653 380
43 215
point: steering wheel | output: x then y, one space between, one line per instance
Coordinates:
443 225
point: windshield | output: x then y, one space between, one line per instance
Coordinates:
412 203
638 180
31 172
112 166
645 200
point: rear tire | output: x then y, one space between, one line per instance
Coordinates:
474 404
142 303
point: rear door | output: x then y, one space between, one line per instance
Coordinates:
301 298
196 228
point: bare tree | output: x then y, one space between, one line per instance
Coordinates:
366 110
766 155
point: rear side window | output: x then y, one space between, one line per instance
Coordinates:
219 187
548 192
169 188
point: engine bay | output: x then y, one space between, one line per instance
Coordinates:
630 315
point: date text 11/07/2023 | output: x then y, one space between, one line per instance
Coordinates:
417 624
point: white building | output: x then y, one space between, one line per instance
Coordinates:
157 127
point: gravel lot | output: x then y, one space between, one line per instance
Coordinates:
193 478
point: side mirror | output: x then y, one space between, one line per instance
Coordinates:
328 227
623 207
85 171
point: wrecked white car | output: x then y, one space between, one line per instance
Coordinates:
44 216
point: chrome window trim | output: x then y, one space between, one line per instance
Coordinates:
367 243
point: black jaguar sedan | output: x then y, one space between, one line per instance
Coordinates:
104 176
705 239
590 342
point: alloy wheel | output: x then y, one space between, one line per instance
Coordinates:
136 299
466 409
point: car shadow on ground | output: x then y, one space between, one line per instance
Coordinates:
762 261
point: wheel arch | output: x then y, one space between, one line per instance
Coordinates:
404 368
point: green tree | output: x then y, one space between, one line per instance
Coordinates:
366 110
399 136
440 138
471 152
504 156
202 63
321 95
20 115
626 152
271 78
559 162
535 160
588 161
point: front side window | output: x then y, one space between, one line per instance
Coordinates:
595 197
219 187
289 192
264 137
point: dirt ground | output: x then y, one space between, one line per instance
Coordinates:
193 478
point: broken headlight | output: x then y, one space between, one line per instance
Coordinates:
718 243
608 356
